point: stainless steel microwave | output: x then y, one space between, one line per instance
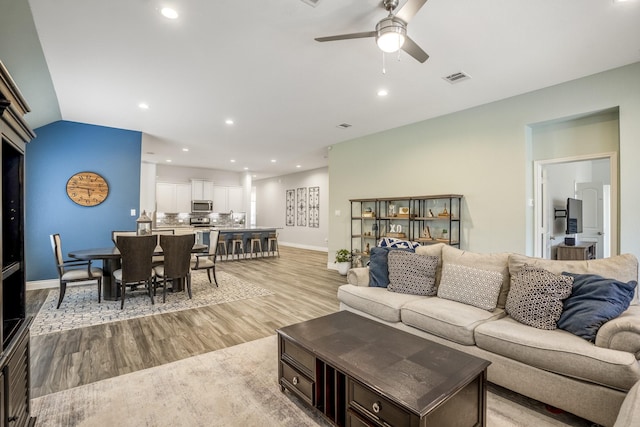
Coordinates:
201 206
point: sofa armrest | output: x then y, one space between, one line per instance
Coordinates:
358 276
622 333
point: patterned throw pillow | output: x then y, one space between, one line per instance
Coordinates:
469 285
536 296
392 242
410 273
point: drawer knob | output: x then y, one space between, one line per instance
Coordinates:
295 380
376 407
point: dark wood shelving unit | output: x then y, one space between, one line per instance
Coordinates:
14 334
406 218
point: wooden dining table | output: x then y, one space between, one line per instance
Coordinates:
110 258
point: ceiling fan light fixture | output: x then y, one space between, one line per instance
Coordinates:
391 34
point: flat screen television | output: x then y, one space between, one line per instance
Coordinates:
574 216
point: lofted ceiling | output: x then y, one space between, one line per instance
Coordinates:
256 62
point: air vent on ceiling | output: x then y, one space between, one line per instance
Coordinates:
312 3
344 125
457 77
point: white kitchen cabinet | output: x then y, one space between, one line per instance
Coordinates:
234 199
173 197
183 198
201 189
166 197
226 199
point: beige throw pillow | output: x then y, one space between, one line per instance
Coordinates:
469 285
496 262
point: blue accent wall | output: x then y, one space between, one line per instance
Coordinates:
60 150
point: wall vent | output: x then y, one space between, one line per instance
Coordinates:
312 3
457 77
344 125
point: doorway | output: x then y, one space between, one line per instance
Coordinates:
591 178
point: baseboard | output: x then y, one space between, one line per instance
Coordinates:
52 284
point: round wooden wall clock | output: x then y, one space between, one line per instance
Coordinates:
87 188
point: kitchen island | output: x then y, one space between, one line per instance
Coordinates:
227 234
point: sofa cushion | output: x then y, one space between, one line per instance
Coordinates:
469 285
410 273
379 266
558 351
536 296
447 319
621 267
490 262
594 300
377 302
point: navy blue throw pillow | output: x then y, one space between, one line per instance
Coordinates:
379 266
594 301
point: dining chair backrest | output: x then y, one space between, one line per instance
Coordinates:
177 254
115 234
56 245
137 254
214 235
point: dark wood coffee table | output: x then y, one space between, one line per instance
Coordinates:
359 372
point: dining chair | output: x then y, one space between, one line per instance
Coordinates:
73 270
207 261
137 254
177 257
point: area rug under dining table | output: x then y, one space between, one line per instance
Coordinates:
80 307
235 386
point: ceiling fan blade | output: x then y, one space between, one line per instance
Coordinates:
409 10
414 50
347 36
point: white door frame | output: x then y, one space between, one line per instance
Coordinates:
537 183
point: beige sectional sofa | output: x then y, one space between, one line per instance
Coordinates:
589 379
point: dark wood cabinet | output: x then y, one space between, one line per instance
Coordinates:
14 334
582 251
358 372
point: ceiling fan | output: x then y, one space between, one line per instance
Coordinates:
391 32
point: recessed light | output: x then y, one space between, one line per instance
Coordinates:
229 121
167 12
298 166
185 149
383 92
245 168
232 160
273 160
143 106
168 160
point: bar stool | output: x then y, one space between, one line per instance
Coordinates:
256 238
237 241
222 245
272 244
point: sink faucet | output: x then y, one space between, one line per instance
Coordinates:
231 212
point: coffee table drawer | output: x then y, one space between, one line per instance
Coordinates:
298 383
376 407
296 355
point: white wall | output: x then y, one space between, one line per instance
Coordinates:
270 208
485 153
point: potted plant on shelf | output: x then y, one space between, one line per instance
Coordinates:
343 261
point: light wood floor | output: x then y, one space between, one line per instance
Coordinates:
304 288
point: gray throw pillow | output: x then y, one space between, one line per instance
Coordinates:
410 273
536 296
469 285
